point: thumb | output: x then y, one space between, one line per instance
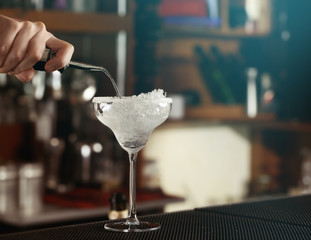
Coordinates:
63 53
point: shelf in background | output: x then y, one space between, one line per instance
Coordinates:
225 113
236 115
291 126
69 22
199 31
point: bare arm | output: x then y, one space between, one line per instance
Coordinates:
22 44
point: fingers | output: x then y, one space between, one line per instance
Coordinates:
22 44
19 47
27 48
9 28
26 76
63 53
34 49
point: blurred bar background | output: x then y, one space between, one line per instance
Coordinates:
237 70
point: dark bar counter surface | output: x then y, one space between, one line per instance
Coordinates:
281 218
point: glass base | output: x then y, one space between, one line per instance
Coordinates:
126 227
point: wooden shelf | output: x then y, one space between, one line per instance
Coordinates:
233 117
226 113
69 22
193 31
236 114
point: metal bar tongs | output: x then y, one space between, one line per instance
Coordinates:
48 54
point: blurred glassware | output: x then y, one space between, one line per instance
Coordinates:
83 87
17 123
118 208
84 6
267 94
85 151
8 189
37 4
30 188
38 83
112 174
252 104
54 153
54 82
82 90
97 164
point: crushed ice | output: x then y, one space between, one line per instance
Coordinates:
155 94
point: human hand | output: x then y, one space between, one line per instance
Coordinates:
22 44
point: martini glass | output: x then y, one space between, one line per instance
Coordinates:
132 120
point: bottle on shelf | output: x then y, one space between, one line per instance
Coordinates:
118 207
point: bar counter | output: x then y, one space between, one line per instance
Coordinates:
279 218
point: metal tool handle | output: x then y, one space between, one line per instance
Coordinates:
48 54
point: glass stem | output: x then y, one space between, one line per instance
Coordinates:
132 218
